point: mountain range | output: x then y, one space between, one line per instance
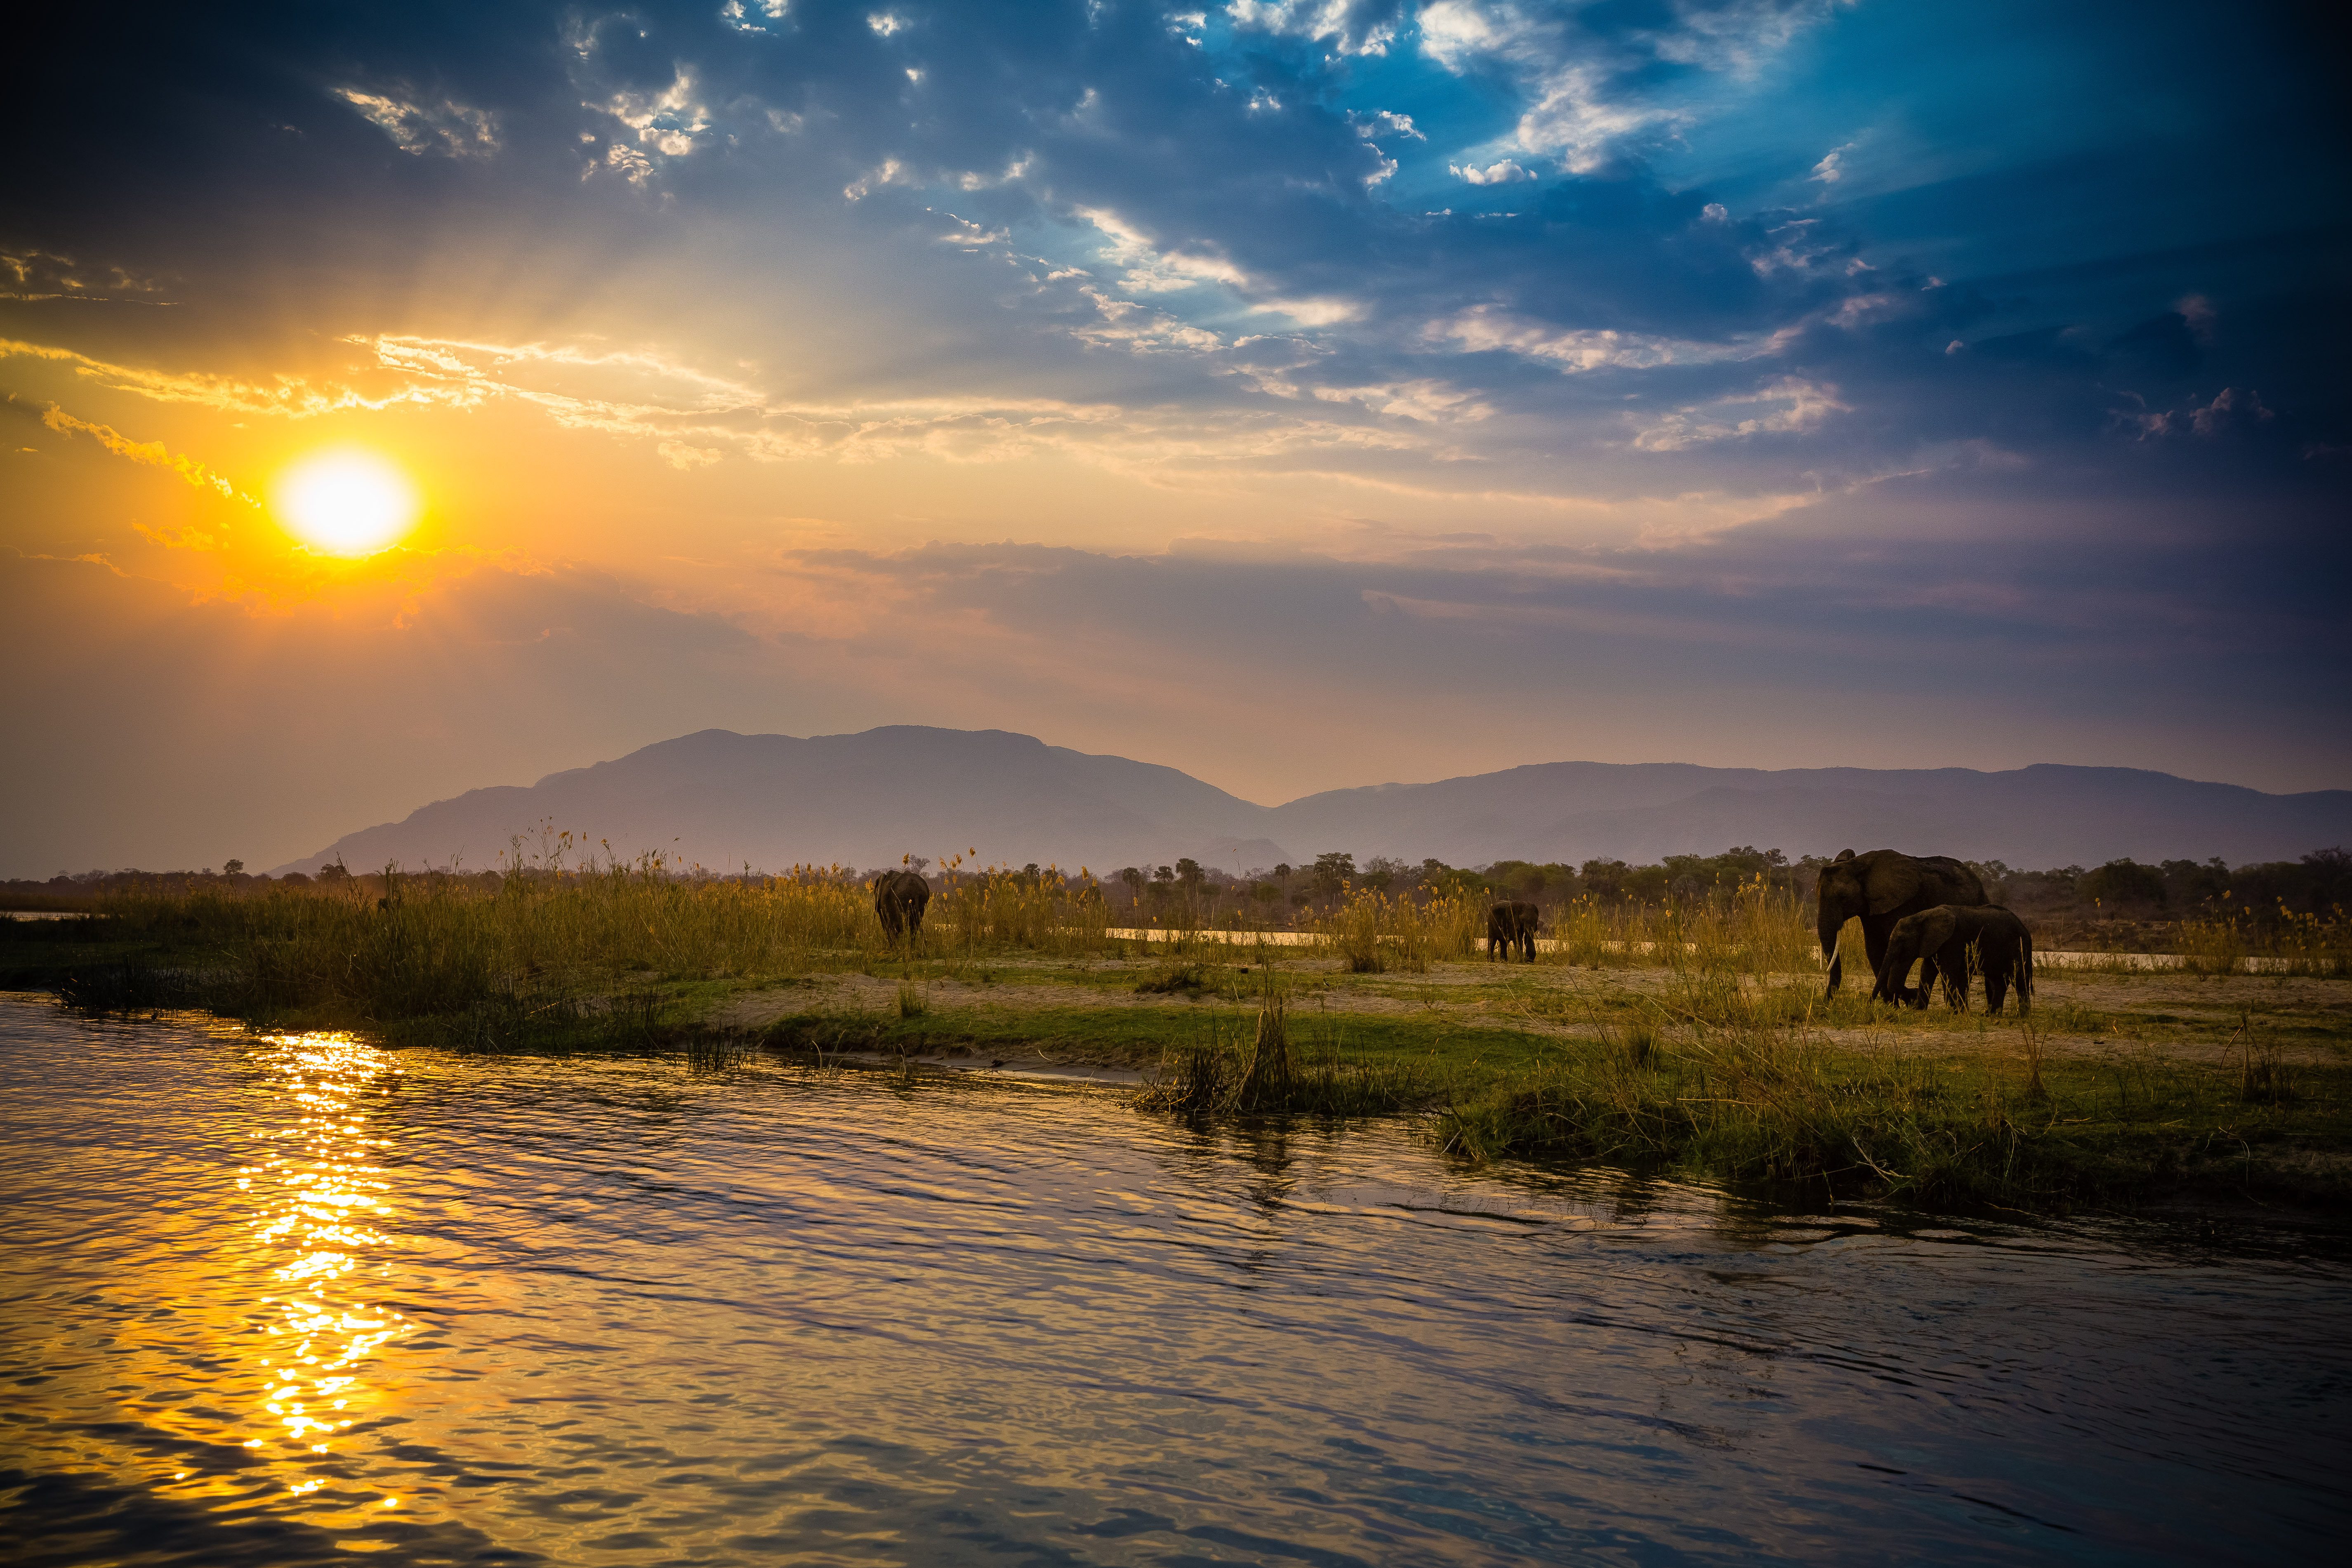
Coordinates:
768 802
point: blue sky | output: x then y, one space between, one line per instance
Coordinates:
1445 386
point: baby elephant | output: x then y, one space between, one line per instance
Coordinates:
1509 924
1984 940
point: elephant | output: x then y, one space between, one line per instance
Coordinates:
1957 938
899 900
1509 924
1882 887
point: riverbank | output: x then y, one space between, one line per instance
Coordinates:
2125 1087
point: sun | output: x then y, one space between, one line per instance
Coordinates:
345 502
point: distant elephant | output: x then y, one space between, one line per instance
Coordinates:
899 900
1882 887
1510 923
1958 938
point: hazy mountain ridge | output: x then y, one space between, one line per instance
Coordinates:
725 800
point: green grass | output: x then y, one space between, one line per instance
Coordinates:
1726 1063
1942 1131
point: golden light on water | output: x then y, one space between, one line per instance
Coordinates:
298 1361
346 502
318 1199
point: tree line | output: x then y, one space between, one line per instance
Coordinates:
2318 885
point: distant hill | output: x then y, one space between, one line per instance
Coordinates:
725 801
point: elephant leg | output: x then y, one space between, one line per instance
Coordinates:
1875 935
1996 984
1897 982
1892 967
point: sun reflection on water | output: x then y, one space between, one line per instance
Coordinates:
315 1199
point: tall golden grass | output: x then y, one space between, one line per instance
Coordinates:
2298 944
1752 927
557 939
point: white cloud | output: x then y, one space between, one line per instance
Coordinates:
449 128
1789 405
1383 122
668 121
1316 313
1482 329
1832 168
1149 269
734 14
1349 26
1429 400
1590 91
889 172
1503 173
632 165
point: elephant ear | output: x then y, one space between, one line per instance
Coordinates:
1936 926
1891 883
1843 855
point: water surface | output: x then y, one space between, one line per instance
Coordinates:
283 1300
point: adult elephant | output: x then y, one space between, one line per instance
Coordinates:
1881 887
899 900
1512 923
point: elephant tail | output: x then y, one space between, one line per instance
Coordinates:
2026 967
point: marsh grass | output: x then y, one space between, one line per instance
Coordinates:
2030 1045
1262 1062
1753 928
2264 1076
1372 933
552 952
1751 1105
1176 973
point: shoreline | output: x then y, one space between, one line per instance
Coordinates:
2129 1086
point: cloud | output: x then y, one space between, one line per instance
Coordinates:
1148 267
446 129
760 17
1484 329
1788 406
1502 172
31 275
1086 291
668 120
151 453
1595 87
2230 408
1358 27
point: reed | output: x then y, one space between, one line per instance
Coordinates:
1254 1065
2294 942
1372 933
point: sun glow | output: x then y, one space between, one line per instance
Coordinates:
345 502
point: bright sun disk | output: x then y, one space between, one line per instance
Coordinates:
345 502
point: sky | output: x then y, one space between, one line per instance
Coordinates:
1304 393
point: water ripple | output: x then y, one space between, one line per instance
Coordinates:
592 1311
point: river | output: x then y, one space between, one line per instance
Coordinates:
283 1300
